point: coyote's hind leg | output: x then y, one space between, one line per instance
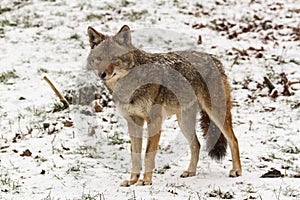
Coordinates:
226 127
187 123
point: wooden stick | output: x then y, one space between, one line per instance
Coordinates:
60 96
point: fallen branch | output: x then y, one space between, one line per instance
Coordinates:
60 96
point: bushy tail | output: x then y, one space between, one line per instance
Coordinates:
215 140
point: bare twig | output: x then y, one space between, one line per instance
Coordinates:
293 82
60 96
272 91
199 39
241 52
269 84
234 61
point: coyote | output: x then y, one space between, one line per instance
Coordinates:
147 87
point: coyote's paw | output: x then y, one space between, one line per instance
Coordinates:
186 174
142 182
235 173
127 183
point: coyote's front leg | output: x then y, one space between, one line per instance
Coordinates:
152 146
135 129
154 131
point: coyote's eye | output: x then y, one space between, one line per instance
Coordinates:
98 58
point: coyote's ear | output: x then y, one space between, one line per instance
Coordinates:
123 37
95 37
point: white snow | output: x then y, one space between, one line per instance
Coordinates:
48 37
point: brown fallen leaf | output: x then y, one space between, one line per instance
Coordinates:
65 148
256 49
259 55
172 192
18 136
272 173
46 125
4 147
97 107
29 130
296 175
198 26
297 10
27 153
15 151
68 123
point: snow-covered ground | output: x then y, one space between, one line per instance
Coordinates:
254 39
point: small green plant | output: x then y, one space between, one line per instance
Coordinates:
75 37
133 196
5 76
88 151
82 150
74 168
137 15
94 16
90 196
249 189
48 197
126 3
150 40
220 194
291 192
58 106
42 70
291 150
7 184
6 22
1 32
3 10
42 159
116 139
199 5
162 170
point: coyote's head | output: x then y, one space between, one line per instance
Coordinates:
110 56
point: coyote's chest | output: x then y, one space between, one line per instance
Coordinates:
143 107
139 108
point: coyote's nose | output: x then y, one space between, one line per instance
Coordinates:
102 75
